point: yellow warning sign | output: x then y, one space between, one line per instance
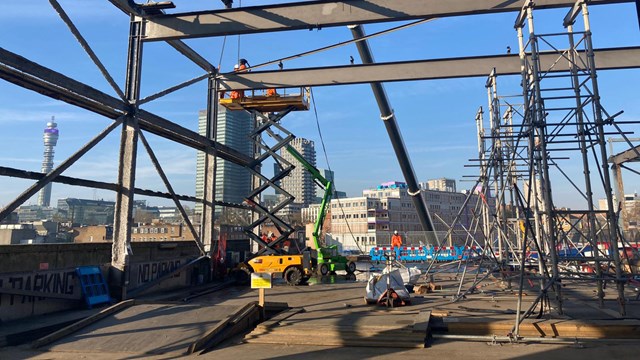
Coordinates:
261 280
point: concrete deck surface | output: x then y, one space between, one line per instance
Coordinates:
162 337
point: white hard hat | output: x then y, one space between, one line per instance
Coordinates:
395 232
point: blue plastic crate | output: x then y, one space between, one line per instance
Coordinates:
94 288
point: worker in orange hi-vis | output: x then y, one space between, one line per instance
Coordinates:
272 238
396 240
244 65
271 92
235 94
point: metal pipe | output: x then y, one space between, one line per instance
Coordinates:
387 115
599 122
585 162
174 197
556 340
539 123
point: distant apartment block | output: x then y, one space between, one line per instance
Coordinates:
310 213
370 220
37 232
161 232
95 233
631 213
442 184
14 234
300 183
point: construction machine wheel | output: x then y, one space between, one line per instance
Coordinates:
241 275
324 269
351 267
293 276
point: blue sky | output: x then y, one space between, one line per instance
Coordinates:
436 117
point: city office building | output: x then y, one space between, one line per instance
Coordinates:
169 214
233 182
27 213
330 176
86 212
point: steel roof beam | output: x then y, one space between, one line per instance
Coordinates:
319 14
68 180
606 59
129 7
630 155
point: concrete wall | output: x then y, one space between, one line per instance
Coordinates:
50 268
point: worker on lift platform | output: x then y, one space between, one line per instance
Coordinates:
244 64
271 92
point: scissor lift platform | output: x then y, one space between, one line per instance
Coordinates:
262 103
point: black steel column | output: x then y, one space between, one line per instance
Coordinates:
207 229
386 113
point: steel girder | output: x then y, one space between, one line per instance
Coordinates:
630 155
131 8
319 14
30 75
614 58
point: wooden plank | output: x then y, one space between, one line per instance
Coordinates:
422 321
558 328
387 342
82 323
276 306
281 317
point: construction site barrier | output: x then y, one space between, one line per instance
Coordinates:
425 253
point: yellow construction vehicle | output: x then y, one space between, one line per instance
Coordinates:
294 269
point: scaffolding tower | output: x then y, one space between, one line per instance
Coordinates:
557 120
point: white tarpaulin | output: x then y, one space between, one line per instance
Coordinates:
410 276
377 285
